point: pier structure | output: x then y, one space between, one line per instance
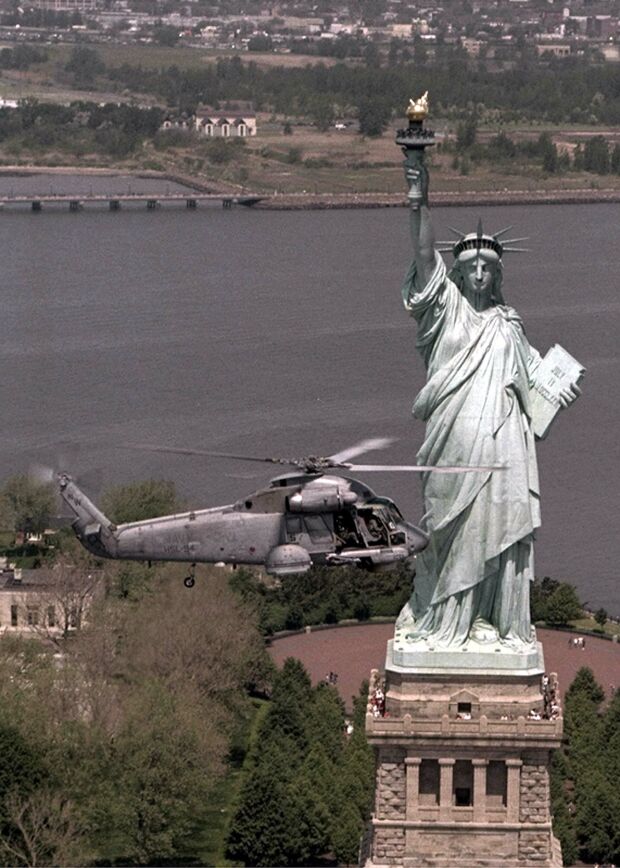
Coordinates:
115 201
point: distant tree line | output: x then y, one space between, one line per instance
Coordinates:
595 155
309 784
323 595
326 595
79 128
22 57
574 91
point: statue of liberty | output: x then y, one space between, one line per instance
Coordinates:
473 581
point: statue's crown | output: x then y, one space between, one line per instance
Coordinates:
480 240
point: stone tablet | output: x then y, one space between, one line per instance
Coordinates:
558 370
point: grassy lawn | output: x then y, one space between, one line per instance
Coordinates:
612 628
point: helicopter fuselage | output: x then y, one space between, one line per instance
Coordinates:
298 520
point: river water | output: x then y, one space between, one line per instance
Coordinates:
282 333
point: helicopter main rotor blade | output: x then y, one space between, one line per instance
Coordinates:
173 450
421 468
367 445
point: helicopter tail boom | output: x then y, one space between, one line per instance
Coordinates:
94 530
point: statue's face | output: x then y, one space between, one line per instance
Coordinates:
479 270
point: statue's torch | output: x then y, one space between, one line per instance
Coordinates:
413 140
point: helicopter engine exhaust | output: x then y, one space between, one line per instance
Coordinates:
324 499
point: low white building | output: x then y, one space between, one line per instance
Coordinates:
227 121
45 602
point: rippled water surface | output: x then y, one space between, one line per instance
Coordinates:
282 333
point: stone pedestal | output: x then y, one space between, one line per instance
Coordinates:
462 764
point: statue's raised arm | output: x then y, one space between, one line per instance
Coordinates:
414 141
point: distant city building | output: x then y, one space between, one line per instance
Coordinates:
230 119
557 49
66 5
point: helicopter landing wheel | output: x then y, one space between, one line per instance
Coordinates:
190 581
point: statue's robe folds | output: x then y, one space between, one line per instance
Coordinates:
473 579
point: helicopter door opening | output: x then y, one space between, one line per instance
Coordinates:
347 531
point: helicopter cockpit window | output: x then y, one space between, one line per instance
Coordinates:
389 506
317 528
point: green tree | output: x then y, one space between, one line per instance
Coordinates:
585 684
563 605
548 153
321 110
373 114
563 827
311 818
85 64
163 772
260 42
601 616
596 155
166 35
27 505
466 133
614 164
22 768
596 819
137 501
262 831
346 834
325 721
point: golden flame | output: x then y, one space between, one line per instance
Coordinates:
417 110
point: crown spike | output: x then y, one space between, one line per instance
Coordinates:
457 232
515 240
517 249
479 231
502 232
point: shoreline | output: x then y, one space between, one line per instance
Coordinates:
453 199
329 201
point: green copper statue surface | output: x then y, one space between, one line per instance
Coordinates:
472 582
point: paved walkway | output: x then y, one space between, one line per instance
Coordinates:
352 652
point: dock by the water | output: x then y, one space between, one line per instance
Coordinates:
115 201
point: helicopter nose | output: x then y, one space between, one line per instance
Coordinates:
418 540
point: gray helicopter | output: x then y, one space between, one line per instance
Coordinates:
305 517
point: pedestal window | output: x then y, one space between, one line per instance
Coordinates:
497 784
429 782
463 784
